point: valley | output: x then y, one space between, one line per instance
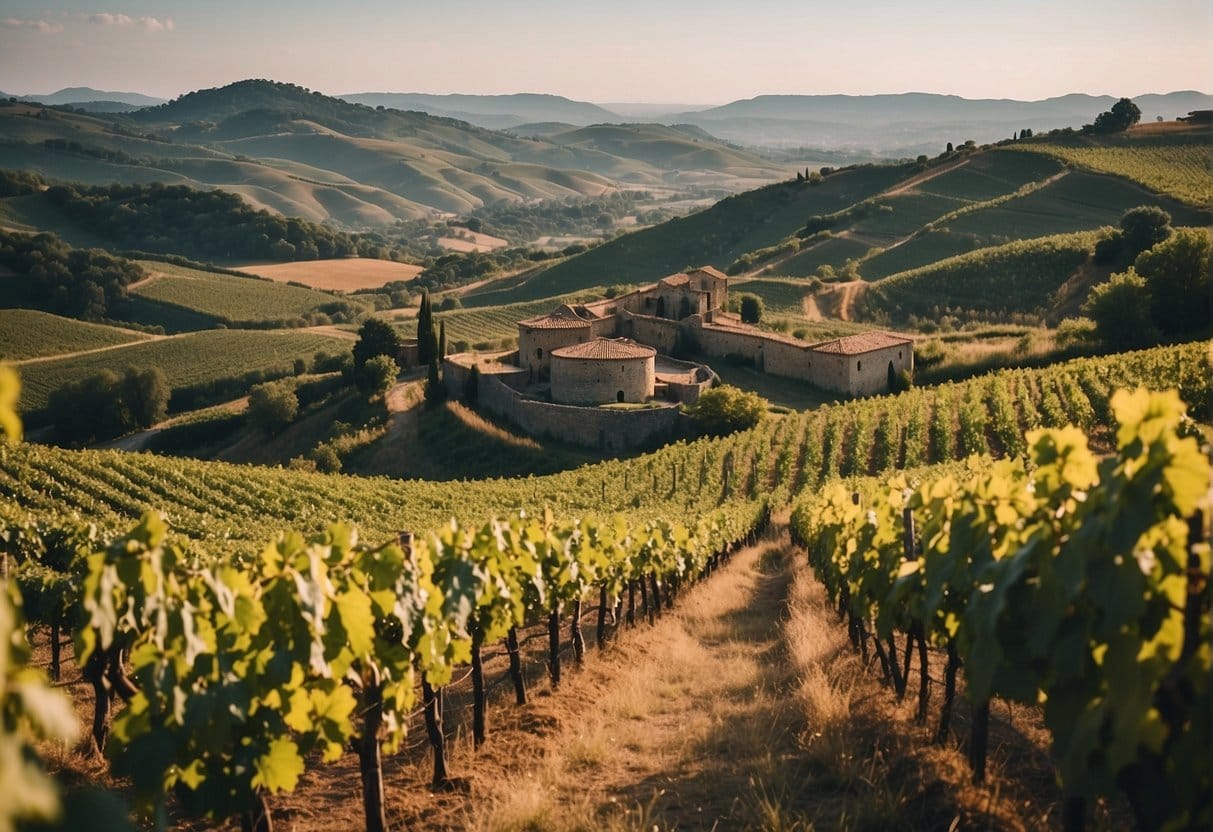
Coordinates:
330 495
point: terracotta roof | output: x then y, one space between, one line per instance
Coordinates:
709 270
675 280
605 349
561 318
861 343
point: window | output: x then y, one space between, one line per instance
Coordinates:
858 365
539 352
899 353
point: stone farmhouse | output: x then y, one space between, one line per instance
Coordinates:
685 312
617 352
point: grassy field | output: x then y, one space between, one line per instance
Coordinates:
188 361
227 299
717 236
832 251
26 333
1176 163
1016 277
343 275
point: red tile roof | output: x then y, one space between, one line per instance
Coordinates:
861 343
605 349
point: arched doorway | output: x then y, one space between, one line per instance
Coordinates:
660 307
619 397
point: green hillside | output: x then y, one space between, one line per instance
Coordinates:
28 333
226 299
715 236
1171 161
1073 201
191 362
1022 276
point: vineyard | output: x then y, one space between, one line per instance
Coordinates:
28 333
1017 277
331 643
1179 169
230 299
1057 578
188 361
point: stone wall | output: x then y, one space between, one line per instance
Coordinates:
593 427
597 381
868 372
664 335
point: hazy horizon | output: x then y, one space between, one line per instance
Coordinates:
682 53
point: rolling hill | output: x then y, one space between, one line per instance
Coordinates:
911 123
79 96
493 111
299 153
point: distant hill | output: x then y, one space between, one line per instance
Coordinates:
300 153
77 96
492 111
908 123
103 106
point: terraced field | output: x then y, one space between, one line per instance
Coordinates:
188 361
228 299
28 333
1177 166
1016 277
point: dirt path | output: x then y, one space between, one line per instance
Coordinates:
147 337
687 725
914 181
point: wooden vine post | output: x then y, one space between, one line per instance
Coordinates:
917 629
511 648
576 635
478 698
431 705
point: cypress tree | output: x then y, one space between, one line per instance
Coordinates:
425 331
441 340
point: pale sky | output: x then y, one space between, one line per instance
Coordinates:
684 51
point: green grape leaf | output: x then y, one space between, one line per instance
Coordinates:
278 770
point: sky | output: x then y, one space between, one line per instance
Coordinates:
684 51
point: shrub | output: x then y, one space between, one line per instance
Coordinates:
1075 332
725 409
376 376
751 307
1120 308
272 406
375 337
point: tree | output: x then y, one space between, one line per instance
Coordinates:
950 148
1177 274
471 386
441 340
1142 228
272 406
725 409
1120 309
425 330
376 376
88 409
434 391
145 394
751 307
375 337
1123 115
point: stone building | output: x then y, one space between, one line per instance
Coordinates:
603 370
861 364
686 311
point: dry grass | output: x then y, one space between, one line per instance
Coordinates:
472 241
344 274
482 425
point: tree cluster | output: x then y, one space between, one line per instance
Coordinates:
107 405
1123 115
1167 292
54 277
200 224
